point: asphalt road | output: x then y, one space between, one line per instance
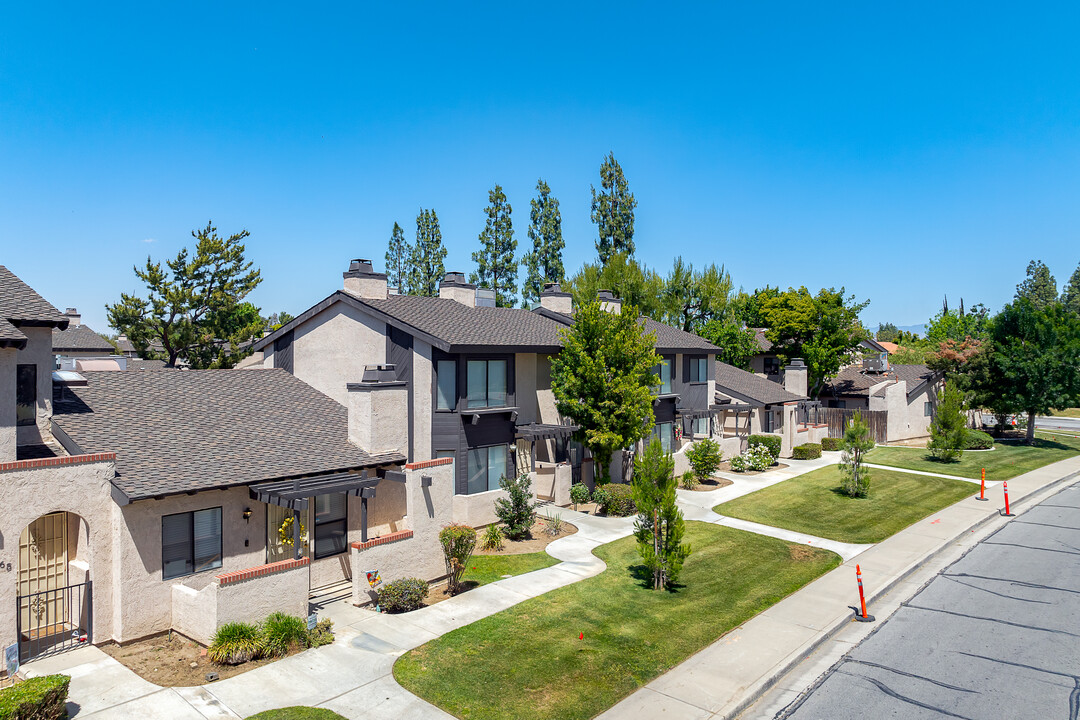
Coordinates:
1044 422
994 635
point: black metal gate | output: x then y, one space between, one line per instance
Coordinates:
52 621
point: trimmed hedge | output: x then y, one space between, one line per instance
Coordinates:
404 595
978 440
806 451
616 500
40 698
832 444
771 443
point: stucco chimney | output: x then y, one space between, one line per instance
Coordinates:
73 316
608 301
379 411
553 298
795 377
454 287
362 281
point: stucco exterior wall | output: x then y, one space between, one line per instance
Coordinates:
379 417
478 508
35 488
553 481
423 391
7 404
332 348
38 351
914 421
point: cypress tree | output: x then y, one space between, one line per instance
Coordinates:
496 267
427 256
544 264
613 211
398 257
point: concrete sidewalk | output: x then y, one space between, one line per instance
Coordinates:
726 677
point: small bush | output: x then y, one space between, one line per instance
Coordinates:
282 633
619 500
579 494
704 457
756 457
806 451
403 595
602 495
40 698
323 634
516 511
235 643
493 538
832 444
978 440
458 542
770 442
554 524
688 481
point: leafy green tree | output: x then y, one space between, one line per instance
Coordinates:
426 258
704 457
628 280
544 263
194 303
692 298
948 430
855 444
747 307
613 211
660 527
917 354
738 344
887 332
398 256
957 324
822 329
1034 362
1070 294
496 264
603 380
1039 286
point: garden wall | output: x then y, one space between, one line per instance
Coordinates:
553 483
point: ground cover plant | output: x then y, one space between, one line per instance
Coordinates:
815 504
528 661
297 712
1009 458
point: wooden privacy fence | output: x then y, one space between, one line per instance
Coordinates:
838 418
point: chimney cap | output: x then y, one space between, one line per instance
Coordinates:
553 288
457 279
607 295
71 311
362 268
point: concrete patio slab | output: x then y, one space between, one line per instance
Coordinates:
165 703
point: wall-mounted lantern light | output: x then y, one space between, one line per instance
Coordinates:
247 514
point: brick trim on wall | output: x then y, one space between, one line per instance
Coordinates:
261 571
385 539
58 461
429 463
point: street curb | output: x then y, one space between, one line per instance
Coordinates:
764 684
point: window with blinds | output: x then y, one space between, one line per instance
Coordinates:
190 542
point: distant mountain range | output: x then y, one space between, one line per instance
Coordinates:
917 329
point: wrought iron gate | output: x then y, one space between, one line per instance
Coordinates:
51 621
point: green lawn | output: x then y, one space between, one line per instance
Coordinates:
813 504
527 661
297 713
1066 412
484 569
1008 459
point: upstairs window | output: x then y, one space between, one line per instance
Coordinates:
446 390
486 384
699 368
26 395
772 366
664 371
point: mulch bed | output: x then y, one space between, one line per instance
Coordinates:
726 467
537 539
712 484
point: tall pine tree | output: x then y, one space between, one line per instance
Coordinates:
398 259
1039 286
496 264
613 211
544 264
427 256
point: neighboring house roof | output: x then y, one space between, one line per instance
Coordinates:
125 345
755 389
80 338
20 305
872 344
189 430
137 364
763 343
889 347
856 382
10 335
668 339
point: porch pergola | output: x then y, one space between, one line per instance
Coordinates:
541 431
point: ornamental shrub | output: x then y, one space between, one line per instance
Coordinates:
493 538
948 430
979 440
756 457
602 495
832 444
619 500
282 633
688 480
772 442
579 494
806 451
39 698
235 643
323 634
403 595
516 511
704 457
458 542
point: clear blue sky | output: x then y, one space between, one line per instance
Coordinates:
901 150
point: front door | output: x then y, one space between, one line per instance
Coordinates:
43 568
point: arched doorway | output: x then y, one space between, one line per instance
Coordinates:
54 591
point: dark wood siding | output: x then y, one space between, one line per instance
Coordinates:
665 411
399 350
283 352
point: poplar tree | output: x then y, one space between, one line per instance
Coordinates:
496 266
613 211
398 258
545 263
426 266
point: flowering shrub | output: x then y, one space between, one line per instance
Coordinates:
756 457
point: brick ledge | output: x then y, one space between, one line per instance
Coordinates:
58 461
261 571
429 463
384 540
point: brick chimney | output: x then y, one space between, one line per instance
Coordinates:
608 301
553 298
795 379
74 318
454 287
363 282
379 411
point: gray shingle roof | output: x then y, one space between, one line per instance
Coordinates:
125 345
10 335
854 381
186 430
80 338
137 364
764 344
672 339
20 305
758 388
